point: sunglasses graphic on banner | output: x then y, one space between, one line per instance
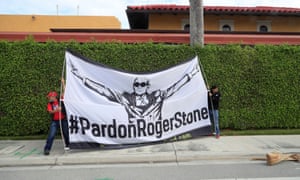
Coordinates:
142 84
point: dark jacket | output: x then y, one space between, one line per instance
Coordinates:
213 101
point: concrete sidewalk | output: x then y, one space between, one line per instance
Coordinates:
227 148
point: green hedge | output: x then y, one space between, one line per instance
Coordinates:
260 85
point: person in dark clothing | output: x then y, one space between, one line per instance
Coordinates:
214 97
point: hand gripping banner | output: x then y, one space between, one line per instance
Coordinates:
109 106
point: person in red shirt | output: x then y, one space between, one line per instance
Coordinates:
58 117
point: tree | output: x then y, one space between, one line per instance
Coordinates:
196 23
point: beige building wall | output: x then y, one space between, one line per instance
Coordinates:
166 21
250 23
43 23
240 23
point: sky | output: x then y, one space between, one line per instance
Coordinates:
115 8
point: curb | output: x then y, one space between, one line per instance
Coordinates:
168 157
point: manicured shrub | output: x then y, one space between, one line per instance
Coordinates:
259 85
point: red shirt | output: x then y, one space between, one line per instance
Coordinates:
57 115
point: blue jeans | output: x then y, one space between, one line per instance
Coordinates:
54 126
214 115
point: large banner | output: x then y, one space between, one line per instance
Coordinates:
109 106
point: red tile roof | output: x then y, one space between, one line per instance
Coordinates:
258 9
159 7
218 9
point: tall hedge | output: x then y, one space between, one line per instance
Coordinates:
259 85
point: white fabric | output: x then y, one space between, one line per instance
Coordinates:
104 106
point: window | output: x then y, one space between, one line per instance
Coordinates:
263 26
226 28
185 24
226 25
186 27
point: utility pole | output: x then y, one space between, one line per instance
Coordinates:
196 23
57 9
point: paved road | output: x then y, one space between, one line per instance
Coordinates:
160 171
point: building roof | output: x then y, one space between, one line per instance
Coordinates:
262 10
157 7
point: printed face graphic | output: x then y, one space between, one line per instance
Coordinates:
140 85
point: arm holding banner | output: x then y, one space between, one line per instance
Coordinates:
184 80
63 84
97 87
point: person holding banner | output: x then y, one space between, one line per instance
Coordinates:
58 118
214 97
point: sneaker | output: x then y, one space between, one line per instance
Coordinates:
66 148
217 136
46 152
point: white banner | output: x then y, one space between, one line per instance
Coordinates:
109 106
